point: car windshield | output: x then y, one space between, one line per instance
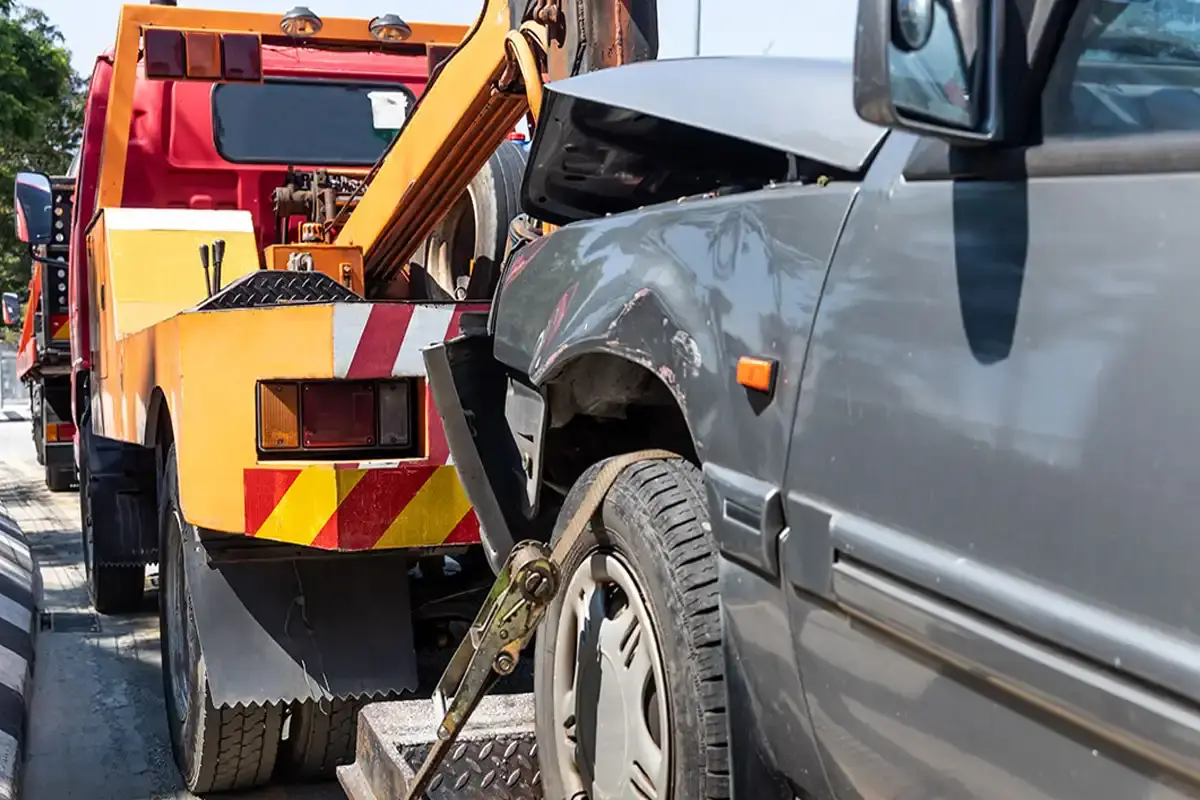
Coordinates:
307 123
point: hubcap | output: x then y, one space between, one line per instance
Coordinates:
609 707
175 596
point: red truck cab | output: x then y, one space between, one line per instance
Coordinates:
229 146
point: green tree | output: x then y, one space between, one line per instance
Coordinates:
41 116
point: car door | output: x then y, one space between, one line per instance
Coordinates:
990 552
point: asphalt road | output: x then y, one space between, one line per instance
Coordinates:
98 728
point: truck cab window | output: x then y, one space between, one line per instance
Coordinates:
307 123
1126 67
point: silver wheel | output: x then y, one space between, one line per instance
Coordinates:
609 707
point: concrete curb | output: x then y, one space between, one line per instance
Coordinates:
20 594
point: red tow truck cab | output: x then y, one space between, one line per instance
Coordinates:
202 145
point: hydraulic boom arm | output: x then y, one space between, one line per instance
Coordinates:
459 122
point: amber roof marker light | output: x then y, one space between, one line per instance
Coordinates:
389 28
300 22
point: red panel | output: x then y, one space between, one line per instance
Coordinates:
264 488
380 342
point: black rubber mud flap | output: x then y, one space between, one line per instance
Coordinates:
468 391
494 758
121 480
303 629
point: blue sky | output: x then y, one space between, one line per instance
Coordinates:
779 27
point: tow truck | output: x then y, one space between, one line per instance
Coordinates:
248 315
43 351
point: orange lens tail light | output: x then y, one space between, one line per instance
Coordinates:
203 56
279 415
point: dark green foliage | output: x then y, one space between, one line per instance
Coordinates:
41 116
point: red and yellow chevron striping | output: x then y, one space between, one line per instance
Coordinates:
342 507
60 327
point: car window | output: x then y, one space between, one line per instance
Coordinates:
1126 67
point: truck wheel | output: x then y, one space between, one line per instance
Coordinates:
475 228
216 749
321 738
114 588
639 593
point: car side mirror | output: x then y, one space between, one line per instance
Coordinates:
12 308
33 202
929 67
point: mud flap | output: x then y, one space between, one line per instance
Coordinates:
124 503
302 629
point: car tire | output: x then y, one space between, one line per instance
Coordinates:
216 749
652 539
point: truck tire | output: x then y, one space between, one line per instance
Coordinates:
321 738
114 588
639 592
216 749
476 227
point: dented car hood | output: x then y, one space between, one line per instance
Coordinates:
803 106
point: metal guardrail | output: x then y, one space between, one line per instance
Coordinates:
13 393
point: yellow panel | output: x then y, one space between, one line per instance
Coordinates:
154 268
223 355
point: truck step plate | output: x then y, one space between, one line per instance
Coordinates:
495 756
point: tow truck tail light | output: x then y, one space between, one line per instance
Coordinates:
278 415
202 55
243 57
395 404
338 414
165 58
57 432
328 415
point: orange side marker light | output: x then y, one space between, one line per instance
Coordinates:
756 373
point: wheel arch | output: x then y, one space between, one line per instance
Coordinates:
603 403
159 431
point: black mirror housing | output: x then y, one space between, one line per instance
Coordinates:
942 84
33 203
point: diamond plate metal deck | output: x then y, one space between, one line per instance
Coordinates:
495 756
